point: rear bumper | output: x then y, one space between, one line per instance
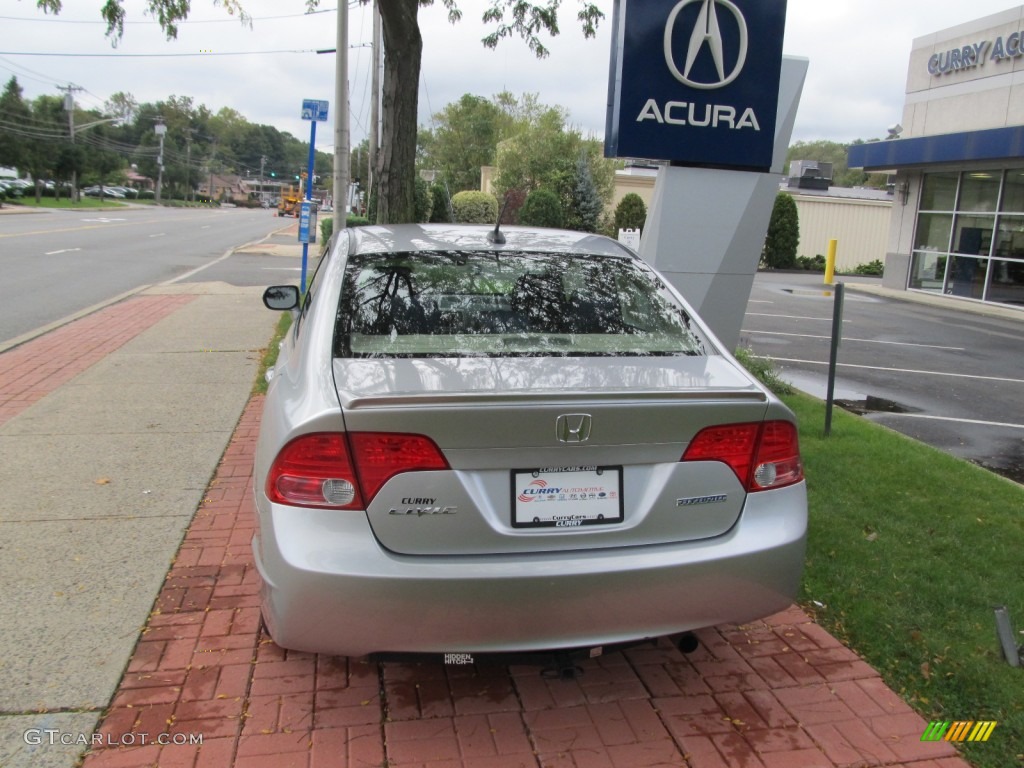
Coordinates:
329 587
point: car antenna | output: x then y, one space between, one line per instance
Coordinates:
497 237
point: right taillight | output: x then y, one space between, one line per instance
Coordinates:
763 455
339 471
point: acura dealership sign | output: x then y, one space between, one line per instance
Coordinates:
695 81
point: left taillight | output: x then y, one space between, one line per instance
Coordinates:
763 455
338 471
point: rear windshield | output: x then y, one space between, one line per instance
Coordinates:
508 304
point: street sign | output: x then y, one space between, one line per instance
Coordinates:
312 109
696 82
307 222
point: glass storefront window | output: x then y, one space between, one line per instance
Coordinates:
938 192
933 230
1006 282
1010 237
979 191
928 271
967 277
973 235
1013 192
975 252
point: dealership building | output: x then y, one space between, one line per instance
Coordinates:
957 224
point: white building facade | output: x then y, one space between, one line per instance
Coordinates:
957 225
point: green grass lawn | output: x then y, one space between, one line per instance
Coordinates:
909 551
86 203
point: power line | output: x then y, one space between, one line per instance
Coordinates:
152 55
190 22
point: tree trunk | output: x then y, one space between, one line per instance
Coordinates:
396 162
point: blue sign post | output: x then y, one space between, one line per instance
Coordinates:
696 82
316 112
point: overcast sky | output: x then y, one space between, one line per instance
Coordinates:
858 52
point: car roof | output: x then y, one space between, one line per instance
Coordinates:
403 238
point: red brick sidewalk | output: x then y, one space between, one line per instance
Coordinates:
781 693
30 372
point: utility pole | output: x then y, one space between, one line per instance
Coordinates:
341 137
69 105
375 104
263 163
160 129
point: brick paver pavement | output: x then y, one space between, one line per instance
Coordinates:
779 693
33 370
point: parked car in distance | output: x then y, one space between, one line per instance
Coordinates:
478 441
110 192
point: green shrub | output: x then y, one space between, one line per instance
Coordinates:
876 268
421 200
542 208
475 207
351 221
439 204
147 194
811 264
764 370
783 234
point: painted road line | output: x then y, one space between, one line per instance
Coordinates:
158 234
847 338
978 422
790 317
900 370
62 250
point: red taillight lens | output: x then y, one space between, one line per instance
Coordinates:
763 456
318 470
314 471
379 456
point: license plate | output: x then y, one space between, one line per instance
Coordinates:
566 497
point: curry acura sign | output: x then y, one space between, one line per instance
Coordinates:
976 54
695 81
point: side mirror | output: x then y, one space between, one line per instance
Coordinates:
281 297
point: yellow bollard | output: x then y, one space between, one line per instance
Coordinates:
830 261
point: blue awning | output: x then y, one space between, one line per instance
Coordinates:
968 147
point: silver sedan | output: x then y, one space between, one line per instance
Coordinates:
518 440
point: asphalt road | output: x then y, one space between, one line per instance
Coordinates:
57 263
950 378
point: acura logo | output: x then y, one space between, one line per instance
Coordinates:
706 32
573 428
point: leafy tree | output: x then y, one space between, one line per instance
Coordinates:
545 153
630 213
49 121
585 204
542 209
403 50
14 113
783 234
464 138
